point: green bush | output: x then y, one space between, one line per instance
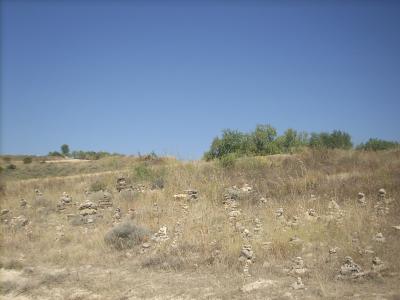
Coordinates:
11 167
27 160
126 235
98 186
228 161
377 145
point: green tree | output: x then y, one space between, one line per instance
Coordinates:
65 149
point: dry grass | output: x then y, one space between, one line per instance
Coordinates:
285 181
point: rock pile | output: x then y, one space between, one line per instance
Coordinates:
103 199
19 221
379 238
350 270
257 227
361 199
378 265
381 206
122 185
117 215
23 203
189 194
65 201
246 257
161 235
298 284
298 267
87 208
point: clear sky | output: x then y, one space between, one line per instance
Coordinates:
138 76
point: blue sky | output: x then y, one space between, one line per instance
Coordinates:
141 76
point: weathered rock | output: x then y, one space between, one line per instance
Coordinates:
23 203
378 265
246 253
161 235
122 185
361 198
298 267
102 198
350 270
379 238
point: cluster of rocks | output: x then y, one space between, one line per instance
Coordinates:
361 199
65 200
351 270
298 267
257 227
379 238
179 225
87 208
189 194
381 206
161 235
122 185
246 257
298 284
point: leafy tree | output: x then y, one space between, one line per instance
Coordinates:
65 149
377 144
263 139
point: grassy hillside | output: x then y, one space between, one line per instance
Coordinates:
204 256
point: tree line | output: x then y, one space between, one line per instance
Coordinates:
264 140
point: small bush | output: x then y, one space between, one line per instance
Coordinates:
27 160
377 145
228 161
98 186
11 167
126 235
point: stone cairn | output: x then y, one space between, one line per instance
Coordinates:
161 235
298 267
378 265
23 203
257 227
298 284
122 185
231 204
183 198
350 270
87 208
105 201
65 200
361 199
381 207
379 238
117 215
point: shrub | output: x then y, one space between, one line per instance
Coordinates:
228 161
126 235
377 144
27 160
64 149
11 167
54 153
98 186
7 159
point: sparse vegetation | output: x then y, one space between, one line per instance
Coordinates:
207 244
378 144
27 160
126 235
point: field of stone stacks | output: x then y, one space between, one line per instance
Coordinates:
320 224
